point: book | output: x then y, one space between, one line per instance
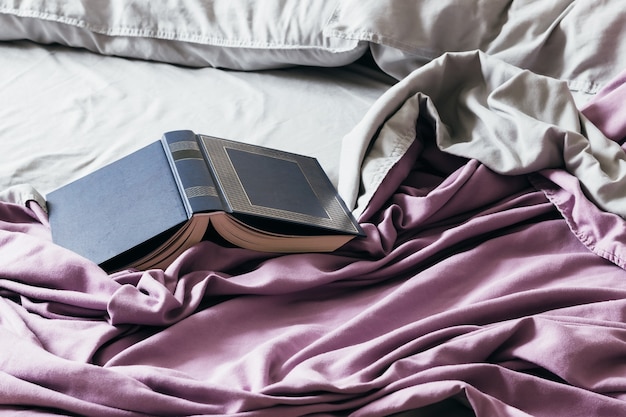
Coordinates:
145 209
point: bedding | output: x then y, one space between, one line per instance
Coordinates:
483 157
236 34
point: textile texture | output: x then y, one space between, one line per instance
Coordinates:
474 291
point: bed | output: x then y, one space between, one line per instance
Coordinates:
478 143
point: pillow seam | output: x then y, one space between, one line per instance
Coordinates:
134 32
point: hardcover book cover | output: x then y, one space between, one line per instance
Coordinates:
148 207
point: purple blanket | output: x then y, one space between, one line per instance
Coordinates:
474 294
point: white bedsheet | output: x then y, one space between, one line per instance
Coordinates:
65 112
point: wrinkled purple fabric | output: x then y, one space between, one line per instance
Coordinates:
474 293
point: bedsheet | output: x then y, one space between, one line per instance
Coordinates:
489 179
65 112
476 292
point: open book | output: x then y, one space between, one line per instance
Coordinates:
145 209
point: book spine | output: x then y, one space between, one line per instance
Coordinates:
191 171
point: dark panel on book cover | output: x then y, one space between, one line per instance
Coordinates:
275 183
118 207
277 186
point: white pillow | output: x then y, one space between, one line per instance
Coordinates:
235 34
421 28
579 42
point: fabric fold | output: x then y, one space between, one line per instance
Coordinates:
513 121
470 293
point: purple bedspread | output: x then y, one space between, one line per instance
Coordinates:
474 294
